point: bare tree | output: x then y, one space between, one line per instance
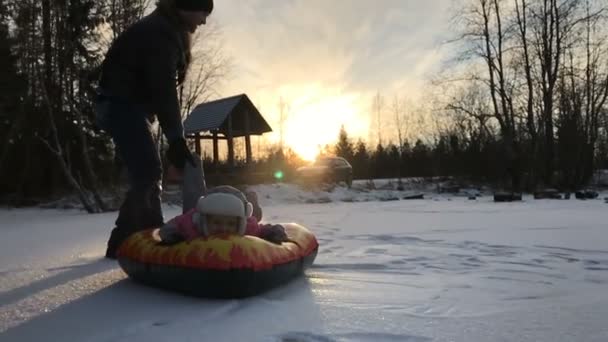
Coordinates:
486 37
62 156
377 109
596 69
398 109
470 103
210 66
582 94
123 13
525 58
549 41
522 44
521 8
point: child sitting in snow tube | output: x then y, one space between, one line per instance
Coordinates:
225 210
218 250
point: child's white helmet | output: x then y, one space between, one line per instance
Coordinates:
226 204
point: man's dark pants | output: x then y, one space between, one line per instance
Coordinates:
131 132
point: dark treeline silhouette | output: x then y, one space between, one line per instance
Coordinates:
531 109
532 96
50 52
479 160
449 156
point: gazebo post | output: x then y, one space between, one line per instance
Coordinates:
247 139
215 148
230 143
198 144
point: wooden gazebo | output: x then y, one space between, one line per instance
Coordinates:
225 119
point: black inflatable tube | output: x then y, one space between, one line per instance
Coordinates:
223 284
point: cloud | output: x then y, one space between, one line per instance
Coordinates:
352 48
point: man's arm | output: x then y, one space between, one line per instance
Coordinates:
160 74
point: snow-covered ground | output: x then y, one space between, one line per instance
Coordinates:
440 269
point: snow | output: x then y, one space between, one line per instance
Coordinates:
440 269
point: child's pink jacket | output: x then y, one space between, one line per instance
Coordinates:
185 226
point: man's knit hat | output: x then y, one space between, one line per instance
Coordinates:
195 5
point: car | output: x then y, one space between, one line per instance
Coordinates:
327 169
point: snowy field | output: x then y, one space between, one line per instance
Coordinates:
440 269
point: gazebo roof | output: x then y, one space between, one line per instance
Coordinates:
213 115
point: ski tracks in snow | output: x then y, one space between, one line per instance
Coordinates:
496 274
353 336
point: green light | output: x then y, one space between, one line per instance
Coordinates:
278 175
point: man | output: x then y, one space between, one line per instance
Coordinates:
138 84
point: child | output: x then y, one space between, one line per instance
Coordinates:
225 210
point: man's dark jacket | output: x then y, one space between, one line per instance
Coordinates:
142 65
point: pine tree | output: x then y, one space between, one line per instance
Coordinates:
9 80
344 147
11 91
361 162
379 162
421 160
48 140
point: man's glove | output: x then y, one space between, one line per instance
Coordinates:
169 235
274 233
178 153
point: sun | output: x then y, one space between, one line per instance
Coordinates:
314 119
306 152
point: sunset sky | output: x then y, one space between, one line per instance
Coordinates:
328 58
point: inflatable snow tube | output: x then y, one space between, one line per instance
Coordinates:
218 267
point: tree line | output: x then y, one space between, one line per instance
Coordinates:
51 52
530 86
523 105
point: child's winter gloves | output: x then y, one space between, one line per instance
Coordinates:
274 233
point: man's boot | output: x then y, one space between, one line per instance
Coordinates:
116 239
